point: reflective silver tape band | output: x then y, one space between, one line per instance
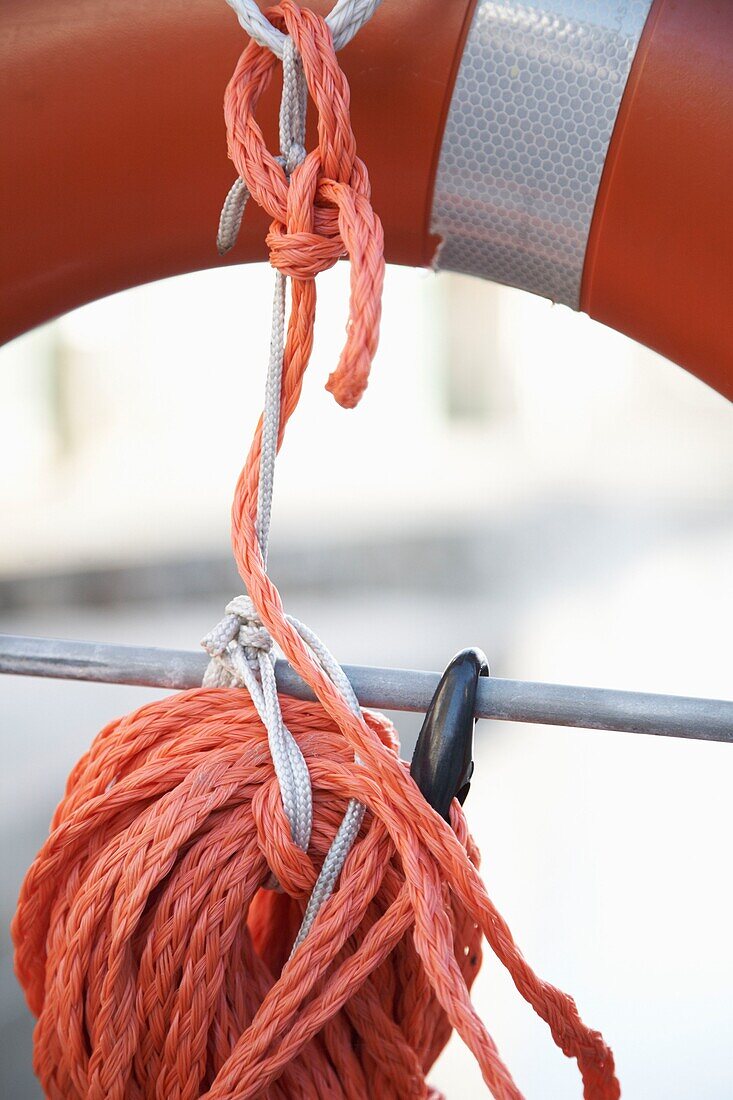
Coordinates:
536 97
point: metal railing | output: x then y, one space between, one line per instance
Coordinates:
385 688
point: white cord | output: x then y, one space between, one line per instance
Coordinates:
344 20
240 647
230 219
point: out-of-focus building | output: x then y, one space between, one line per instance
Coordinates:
125 423
516 477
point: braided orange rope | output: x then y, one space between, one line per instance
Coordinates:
155 961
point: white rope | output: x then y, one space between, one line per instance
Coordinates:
239 646
344 20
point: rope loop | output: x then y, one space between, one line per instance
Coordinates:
321 210
344 20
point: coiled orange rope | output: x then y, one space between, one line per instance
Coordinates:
157 964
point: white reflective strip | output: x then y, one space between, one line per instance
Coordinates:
535 101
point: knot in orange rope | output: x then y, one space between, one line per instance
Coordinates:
322 212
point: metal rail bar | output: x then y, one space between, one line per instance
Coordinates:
387 688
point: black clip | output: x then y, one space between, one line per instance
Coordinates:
442 764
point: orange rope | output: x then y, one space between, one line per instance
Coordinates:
157 965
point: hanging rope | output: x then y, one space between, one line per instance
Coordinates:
240 668
155 960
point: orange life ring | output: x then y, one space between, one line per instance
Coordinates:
115 162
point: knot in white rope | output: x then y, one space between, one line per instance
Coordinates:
241 656
251 633
240 628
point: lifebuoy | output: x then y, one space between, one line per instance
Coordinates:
581 149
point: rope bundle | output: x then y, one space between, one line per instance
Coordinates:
155 960
144 915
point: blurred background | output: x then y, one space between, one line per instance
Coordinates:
516 477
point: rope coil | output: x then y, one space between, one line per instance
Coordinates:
157 964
